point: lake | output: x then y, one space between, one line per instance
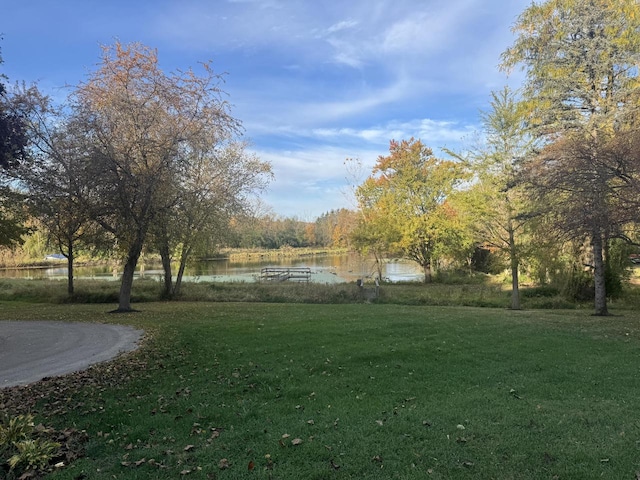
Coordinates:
328 268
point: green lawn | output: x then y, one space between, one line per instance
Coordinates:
293 391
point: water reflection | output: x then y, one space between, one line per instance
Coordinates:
324 269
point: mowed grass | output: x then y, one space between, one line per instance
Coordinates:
292 391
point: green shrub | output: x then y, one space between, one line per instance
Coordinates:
541 291
15 429
20 449
33 454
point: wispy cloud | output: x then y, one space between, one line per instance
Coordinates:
317 169
313 82
435 133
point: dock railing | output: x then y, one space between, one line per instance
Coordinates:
283 274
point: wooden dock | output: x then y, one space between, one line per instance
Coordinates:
284 274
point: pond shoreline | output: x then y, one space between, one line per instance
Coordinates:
327 266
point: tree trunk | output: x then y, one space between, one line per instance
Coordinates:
513 257
183 265
427 272
166 266
599 275
70 287
124 304
378 264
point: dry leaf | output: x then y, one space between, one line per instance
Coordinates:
188 448
223 464
296 441
251 466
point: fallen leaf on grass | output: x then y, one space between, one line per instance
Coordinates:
296 441
251 466
223 464
189 448
333 465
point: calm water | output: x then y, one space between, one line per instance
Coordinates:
324 269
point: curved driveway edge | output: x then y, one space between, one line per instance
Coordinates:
31 351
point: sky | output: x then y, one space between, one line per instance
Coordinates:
314 82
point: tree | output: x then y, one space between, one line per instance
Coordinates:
53 175
143 126
405 203
13 138
497 201
13 149
334 228
580 58
216 186
592 185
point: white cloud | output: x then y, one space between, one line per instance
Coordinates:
429 131
313 82
314 179
342 25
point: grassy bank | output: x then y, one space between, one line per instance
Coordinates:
284 391
483 292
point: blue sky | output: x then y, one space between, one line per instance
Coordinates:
314 82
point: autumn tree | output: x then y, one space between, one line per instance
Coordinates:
375 234
217 184
497 202
143 125
405 203
592 185
333 228
580 58
54 176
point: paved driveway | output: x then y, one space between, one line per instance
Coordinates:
30 351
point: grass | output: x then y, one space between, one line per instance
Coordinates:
478 292
366 391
